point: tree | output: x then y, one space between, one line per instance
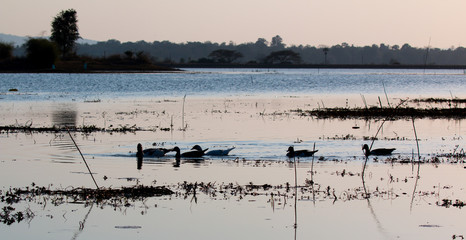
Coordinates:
65 31
41 52
225 55
325 49
129 54
261 42
277 42
283 57
6 51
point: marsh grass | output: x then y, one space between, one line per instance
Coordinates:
380 113
454 110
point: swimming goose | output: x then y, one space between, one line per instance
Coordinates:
217 152
377 152
299 153
191 154
151 152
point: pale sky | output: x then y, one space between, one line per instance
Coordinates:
306 22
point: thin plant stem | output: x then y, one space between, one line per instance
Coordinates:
79 150
312 176
373 139
312 163
418 165
388 102
295 195
182 114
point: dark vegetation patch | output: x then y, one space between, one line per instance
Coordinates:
441 100
453 111
82 129
450 203
382 113
43 195
125 197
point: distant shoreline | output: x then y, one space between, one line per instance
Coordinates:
176 68
317 66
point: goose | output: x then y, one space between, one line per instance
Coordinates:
151 152
377 152
299 153
191 154
217 152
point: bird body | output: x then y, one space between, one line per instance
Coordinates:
151 152
190 154
219 152
299 153
155 152
377 151
216 152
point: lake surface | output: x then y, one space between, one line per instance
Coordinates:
233 82
250 109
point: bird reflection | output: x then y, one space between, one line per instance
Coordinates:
177 161
140 156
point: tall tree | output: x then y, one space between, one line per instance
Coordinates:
65 31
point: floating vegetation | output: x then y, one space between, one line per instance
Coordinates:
124 197
449 203
75 195
384 113
41 195
93 101
440 100
83 129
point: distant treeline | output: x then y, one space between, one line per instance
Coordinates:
260 52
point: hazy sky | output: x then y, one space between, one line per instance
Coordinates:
313 22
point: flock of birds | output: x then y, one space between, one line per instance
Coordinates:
198 152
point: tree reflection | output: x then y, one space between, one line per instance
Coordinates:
65 116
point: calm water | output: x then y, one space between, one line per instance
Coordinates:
248 109
232 82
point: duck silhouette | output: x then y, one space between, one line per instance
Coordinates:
216 152
151 152
377 151
190 154
299 153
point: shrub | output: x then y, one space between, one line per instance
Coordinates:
41 52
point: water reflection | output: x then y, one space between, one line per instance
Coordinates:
177 161
82 223
139 163
64 115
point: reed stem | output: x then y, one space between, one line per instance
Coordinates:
79 150
295 195
418 164
182 115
